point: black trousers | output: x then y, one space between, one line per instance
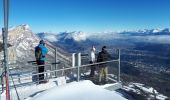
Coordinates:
93 68
41 69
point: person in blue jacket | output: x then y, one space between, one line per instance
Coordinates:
40 55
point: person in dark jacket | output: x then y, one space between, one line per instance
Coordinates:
103 56
40 54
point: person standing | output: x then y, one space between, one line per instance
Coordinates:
103 70
40 55
92 60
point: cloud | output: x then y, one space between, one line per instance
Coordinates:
133 38
155 39
51 38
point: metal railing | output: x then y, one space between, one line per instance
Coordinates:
18 78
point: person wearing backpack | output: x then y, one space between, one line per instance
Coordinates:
103 70
40 55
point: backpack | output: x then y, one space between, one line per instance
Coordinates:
38 53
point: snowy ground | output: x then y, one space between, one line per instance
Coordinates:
142 89
57 89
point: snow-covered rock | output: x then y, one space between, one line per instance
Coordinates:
156 30
77 36
23 42
48 36
139 88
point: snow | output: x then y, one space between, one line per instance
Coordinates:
61 81
23 40
28 90
58 89
161 97
77 36
146 35
156 30
107 85
51 38
148 90
27 27
84 90
80 36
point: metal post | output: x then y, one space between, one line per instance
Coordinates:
78 67
51 70
56 60
19 80
5 36
73 59
118 75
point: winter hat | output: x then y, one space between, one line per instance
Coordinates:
93 48
42 42
104 47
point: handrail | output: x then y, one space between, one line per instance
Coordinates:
64 69
29 74
35 66
98 63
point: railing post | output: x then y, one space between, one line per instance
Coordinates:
51 70
56 65
118 75
63 72
73 59
78 67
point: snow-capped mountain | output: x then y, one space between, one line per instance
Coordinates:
146 35
72 36
145 32
48 36
156 30
23 42
22 36
73 40
80 41
76 36
64 36
166 30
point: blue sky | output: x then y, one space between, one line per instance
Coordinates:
89 15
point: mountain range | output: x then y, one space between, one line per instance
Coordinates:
143 53
78 40
23 41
